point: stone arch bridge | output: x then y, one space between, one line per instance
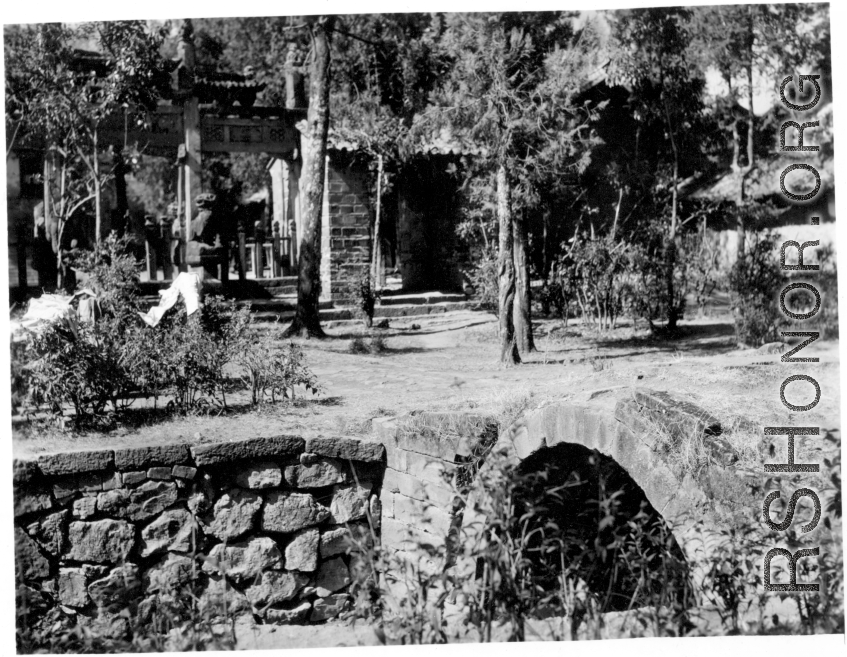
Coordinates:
641 430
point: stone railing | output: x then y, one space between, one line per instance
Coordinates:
259 526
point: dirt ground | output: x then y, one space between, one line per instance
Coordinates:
450 361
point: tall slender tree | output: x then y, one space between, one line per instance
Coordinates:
740 41
490 98
652 59
307 315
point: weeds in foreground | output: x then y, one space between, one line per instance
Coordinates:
516 570
173 620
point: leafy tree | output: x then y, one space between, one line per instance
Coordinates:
767 40
61 97
491 97
651 58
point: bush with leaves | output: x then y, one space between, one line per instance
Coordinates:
366 297
83 368
484 278
111 271
594 273
754 283
117 358
185 356
826 281
699 256
271 370
90 365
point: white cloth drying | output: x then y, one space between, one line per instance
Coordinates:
47 310
186 285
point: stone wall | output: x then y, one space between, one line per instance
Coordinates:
258 527
264 526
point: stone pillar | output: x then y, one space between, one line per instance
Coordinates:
279 218
291 172
193 163
326 241
191 123
295 95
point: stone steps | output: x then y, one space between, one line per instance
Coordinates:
273 300
380 312
421 298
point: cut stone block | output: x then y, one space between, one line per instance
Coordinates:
234 514
172 531
350 502
49 532
352 449
244 562
290 512
322 472
103 541
142 458
75 462
150 499
30 564
254 448
275 587
260 475
302 552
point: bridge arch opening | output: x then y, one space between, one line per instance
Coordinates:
585 521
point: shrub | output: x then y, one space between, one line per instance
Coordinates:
594 273
186 356
111 271
270 370
374 344
827 282
83 368
484 277
89 366
19 375
754 282
649 296
366 298
699 257
553 296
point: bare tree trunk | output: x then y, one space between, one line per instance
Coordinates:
506 271
122 202
307 318
670 243
523 308
741 228
376 261
98 209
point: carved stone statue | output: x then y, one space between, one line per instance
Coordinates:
205 249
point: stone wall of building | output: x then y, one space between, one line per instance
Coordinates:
258 527
350 225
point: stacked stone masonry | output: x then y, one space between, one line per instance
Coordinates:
427 457
350 219
267 527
